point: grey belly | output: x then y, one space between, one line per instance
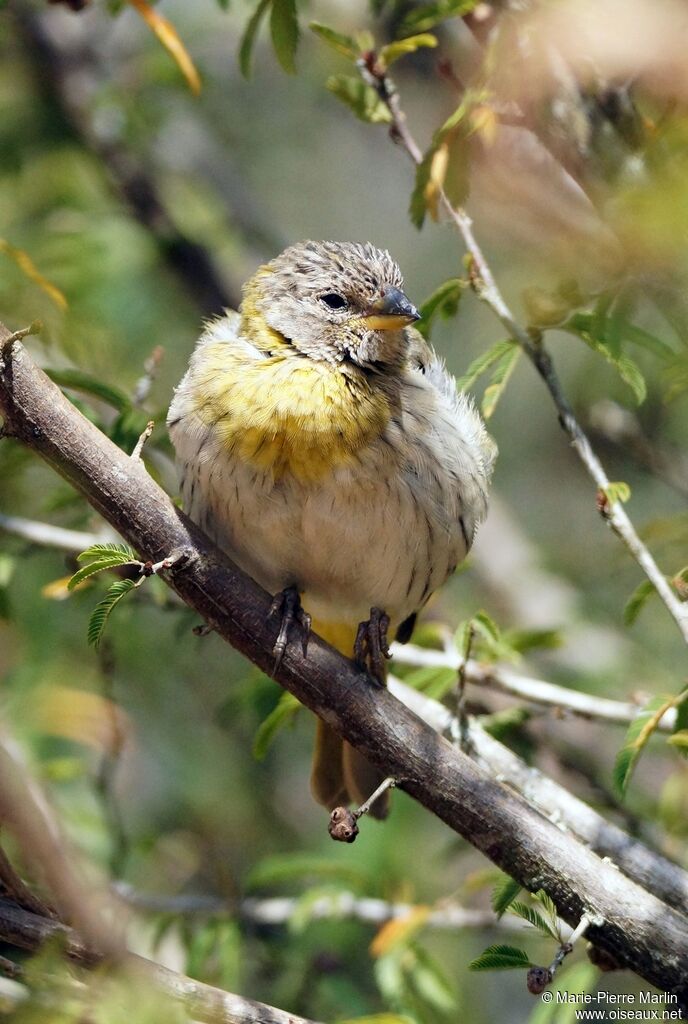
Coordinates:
363 537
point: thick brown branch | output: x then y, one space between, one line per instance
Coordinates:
639 930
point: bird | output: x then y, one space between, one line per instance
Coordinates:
322 443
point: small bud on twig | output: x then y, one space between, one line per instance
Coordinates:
138 449
342 826
538 979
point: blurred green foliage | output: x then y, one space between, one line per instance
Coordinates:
179 769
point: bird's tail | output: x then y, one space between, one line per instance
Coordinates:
339 774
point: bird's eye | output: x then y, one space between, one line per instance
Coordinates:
334 301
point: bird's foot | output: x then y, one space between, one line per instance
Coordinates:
287 604
371 647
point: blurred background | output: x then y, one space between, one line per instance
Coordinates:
130 209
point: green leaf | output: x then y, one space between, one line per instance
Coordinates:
223 4
617 490
500 958
7 568
123 551
102 611
550 908
281 715
445 164
379 1018
487 626
679 739
428 15
100 565
249 37
637 737
284 29
499 380
544 308
393 51
631 375
637 600
504 893
681 713
346 45
482 364
361 98
435 681
306 906
287 867
585 327
444 302
429 982
523 640
643 339
75 380
534 918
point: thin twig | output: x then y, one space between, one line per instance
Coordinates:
50 536
486 288
536 691
145 434
279 910
144 384
388 783
26 813
540 977
109 764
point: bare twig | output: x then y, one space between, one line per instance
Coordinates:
536 691
279 910
49 536
109 763
145 434
486 288
25 812
641 931
150 371
540 977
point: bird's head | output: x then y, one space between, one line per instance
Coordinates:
332 301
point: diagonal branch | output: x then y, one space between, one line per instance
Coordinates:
536 691
639 930
487 289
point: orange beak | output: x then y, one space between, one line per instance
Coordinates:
390 312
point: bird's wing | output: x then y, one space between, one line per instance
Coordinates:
423 359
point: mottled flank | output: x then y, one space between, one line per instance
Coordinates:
325 454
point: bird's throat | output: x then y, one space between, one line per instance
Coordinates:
288 414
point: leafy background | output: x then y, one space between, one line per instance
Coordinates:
147 744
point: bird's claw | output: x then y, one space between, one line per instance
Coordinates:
371 647
287 604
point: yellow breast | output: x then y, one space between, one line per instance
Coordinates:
287 413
